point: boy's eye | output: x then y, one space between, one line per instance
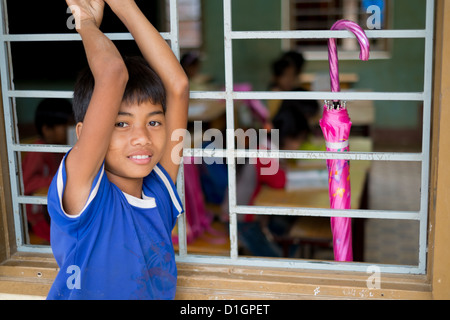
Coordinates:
154 123
121 124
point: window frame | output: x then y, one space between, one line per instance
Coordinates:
231 153
31 273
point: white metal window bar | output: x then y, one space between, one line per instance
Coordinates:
230 153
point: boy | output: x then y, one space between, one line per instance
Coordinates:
113 202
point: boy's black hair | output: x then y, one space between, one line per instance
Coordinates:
309 108
296 58
280 65
51 112
189 59
290 58
143 85
291 123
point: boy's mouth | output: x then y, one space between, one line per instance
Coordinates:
140 158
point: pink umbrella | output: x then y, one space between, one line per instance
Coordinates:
336 125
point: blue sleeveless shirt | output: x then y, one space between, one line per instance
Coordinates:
119 246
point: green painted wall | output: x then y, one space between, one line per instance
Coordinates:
403 72
251 58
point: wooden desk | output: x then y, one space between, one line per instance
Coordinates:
362 113
201 245
347 80
317 197
206 110
211 113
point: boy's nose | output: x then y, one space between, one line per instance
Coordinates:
140 136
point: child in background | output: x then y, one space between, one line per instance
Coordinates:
51 120
286 73
113 202
293 130
256 232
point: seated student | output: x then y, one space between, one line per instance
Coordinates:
293 132
113 202
285 77
285 71
51 120
256 232
292 125
293 129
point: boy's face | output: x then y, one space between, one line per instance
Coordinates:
56 134
292 143
288 79
137 143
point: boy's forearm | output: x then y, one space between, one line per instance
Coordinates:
101 53
153 47
110 77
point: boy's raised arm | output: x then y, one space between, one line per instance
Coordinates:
161 58
94 134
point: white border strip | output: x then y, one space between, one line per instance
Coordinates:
234 35
311 155
169 188
66 37
296 264
325 34
260 95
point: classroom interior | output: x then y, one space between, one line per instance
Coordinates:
386 126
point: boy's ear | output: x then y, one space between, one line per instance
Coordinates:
78 129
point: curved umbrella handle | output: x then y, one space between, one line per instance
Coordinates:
332 50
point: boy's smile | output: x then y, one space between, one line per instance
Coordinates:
137 144
141 158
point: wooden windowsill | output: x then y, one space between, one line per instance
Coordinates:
27 276
226 282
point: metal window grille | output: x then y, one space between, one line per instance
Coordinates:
231 153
